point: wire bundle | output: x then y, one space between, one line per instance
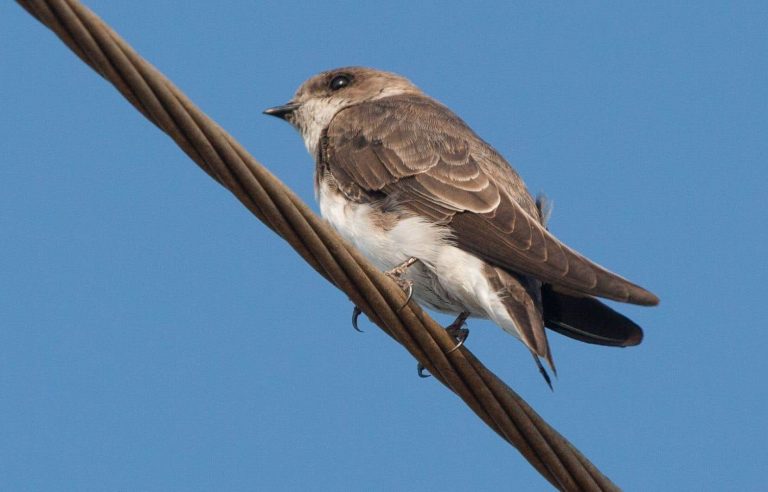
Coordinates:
226 161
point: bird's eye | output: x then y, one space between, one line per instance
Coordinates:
339 82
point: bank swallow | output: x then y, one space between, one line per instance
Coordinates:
407 182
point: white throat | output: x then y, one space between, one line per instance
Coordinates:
313 117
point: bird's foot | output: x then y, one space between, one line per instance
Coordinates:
456 330
397 273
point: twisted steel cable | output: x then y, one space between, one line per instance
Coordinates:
226 161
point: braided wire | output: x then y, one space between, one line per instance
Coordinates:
226 161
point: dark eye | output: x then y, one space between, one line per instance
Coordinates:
339 82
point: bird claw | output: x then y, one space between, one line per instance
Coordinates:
459 333
355 315
407 286
457 330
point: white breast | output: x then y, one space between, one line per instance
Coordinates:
410 237
446 278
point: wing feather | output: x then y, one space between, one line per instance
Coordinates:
417 152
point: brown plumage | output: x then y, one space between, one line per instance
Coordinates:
417 150
384 149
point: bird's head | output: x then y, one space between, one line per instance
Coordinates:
318 99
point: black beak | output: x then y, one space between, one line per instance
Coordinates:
283 111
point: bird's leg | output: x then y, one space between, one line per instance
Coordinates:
395 274
400 269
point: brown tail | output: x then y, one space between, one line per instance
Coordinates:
521 297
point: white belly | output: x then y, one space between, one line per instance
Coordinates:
446 278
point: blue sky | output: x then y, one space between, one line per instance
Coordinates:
155 336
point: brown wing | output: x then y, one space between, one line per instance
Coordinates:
423 157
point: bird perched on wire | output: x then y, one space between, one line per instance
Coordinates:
408 183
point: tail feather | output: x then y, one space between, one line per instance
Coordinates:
522 303
543 371
588 320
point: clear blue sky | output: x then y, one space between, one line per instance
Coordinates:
155 336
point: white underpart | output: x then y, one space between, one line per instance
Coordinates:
447 278
315 115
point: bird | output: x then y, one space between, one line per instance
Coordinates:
407 182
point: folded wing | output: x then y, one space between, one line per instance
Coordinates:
419 155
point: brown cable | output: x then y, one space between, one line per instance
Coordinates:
226 161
